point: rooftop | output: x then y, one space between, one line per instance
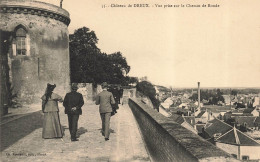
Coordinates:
216 126
236 137
249 120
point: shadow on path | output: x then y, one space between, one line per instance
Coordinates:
110 130
81 131
14 130
8 117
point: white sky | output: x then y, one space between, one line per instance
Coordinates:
220 47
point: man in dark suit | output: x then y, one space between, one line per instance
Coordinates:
104 100
115 106
73 102
121 91
116 94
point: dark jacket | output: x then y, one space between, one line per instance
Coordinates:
121 91
73 99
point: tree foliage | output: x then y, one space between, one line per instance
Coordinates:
148 90
89 64
234 92
130 80
213 96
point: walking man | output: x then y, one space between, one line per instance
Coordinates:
73 102
104 100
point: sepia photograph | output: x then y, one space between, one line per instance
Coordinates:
129 80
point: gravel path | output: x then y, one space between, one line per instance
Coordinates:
21 139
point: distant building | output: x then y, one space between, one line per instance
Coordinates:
227 99
215 128
204 116
163 111
239 145
257 123
197 104
186 95
251 111
200 128
256 101
190 123
247 122
197 112
217 111
186 122
167 103
238 111
183 105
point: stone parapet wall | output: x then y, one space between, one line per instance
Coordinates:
128 93
167 140
144 99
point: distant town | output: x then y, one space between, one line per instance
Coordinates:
228 118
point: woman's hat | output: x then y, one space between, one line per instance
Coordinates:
51 86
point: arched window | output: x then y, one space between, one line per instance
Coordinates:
20 41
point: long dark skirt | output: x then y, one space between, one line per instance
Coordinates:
51 125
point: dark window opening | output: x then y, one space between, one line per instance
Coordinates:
20 42
234 155
245 157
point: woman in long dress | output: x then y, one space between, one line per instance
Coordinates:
51 123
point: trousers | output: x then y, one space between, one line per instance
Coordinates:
73 125
105 117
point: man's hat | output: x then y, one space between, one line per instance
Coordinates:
74 86
104 85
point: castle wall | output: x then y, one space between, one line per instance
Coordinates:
47 43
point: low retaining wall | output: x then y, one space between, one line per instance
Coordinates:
167 140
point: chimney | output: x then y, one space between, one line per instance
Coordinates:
61 3
199 94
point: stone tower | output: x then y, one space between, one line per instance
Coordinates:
39 50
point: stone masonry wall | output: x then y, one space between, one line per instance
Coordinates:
48 59
169 141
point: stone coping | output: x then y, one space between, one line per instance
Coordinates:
196 145
35 8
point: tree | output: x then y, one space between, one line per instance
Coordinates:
148 90
212 96
234 92
89 64
194 97
133 80
129 80
83 51
118 64
219 96
83 39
